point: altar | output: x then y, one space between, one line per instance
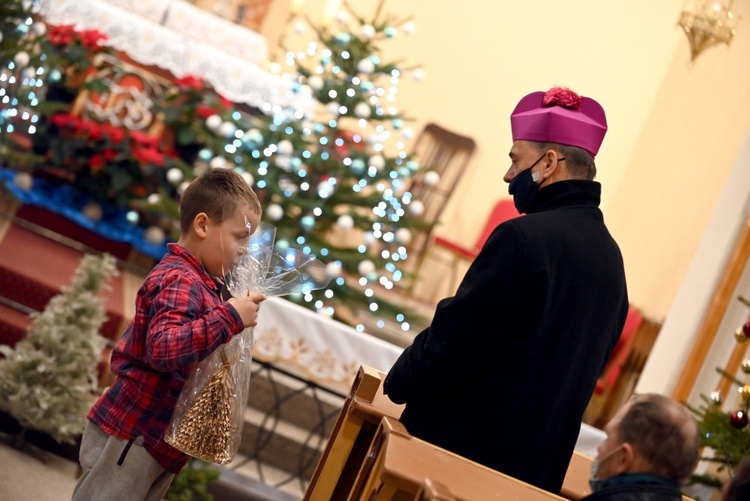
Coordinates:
184 40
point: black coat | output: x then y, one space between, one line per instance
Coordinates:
506 369
637 487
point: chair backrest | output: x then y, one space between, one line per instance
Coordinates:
447 154
504 210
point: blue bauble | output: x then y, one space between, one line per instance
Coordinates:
307 223
358 166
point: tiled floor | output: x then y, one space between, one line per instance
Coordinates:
25 477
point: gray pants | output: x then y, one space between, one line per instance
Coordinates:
119 469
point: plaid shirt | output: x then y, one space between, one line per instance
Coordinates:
179 320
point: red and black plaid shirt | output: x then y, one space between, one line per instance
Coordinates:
180 319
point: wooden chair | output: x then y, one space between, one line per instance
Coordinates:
399 466
447 154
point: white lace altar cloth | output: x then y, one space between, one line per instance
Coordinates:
315 347
184 40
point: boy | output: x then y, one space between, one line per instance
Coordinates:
180 319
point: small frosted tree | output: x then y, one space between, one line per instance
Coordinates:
47 379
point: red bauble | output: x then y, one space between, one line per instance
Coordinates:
738 419
746 329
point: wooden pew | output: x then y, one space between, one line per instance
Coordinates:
355 429
399 466
351 436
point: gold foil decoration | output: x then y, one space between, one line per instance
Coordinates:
205 429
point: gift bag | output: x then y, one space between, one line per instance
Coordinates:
209 414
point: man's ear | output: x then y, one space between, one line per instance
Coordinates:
551 163
624 460
200 224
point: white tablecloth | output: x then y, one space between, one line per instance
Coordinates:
185 41
316 347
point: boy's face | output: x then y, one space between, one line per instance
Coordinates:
228 241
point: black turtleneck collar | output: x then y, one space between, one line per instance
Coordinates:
570 193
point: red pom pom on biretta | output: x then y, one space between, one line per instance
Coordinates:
561 96
560 116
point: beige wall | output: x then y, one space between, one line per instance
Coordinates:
675 127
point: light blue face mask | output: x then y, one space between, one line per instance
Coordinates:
594 482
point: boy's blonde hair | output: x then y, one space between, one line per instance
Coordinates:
217 192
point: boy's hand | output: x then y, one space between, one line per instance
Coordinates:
248 307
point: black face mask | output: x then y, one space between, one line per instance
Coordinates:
524 186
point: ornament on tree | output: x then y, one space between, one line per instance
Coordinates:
738 419
746 366
175 176
285 147
154 235
345 222
93 211
378 162
307 223
249 179
715 397
368 31
334 109
742 333
362 110
22 59
333 269
366 267
227 130
274 212
416 208
24 181
213 123
218 162
315 82
745 393
366 66
403 236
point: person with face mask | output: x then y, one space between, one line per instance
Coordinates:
505 370
652 447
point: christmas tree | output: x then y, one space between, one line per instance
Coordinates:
47 379
333 179
333 175
726 433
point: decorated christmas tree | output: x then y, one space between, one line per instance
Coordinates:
725 434
335 179
333 174
47 379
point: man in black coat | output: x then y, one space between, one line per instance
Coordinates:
652 447
506 369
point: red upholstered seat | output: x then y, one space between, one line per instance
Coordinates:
501 212
470 254
621 351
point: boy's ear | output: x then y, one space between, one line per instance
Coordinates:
200 224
